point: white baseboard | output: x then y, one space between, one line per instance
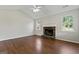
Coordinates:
32 34
14 37
69 40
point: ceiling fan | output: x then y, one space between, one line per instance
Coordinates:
36 8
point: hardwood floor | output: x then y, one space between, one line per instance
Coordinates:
37 45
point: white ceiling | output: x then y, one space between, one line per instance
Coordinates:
45 9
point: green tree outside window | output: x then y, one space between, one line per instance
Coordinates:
68 22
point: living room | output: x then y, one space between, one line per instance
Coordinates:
46 27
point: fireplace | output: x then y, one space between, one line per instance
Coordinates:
49 31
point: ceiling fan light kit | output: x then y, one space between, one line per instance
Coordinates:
36 8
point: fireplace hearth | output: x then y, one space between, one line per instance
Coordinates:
49 31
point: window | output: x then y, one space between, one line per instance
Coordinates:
68 23
37 24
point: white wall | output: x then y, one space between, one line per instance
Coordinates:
14 24
56 20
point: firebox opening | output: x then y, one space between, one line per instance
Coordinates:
49 31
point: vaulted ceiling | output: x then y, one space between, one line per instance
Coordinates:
45 10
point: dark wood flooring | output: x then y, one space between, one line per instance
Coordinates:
37 45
